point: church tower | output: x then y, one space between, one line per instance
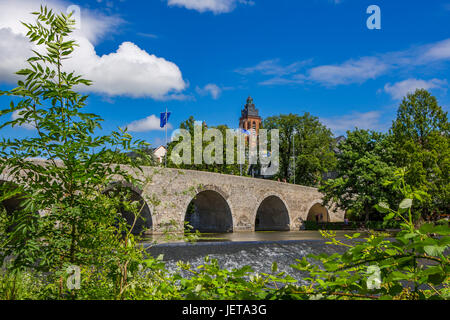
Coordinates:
250 119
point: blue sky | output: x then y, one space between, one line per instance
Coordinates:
204 58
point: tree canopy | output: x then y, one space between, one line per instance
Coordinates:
363 163
421 136
418 142
309 141
189 125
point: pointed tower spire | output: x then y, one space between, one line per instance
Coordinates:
250 119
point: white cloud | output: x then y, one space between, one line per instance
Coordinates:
400 89
362 120
352 71
15 115
129 71
147 35
14 50
438 51
211 89
366 68
295 79
273 67
215 6
149 123
282 74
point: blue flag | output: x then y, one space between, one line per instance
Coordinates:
245 132
164 119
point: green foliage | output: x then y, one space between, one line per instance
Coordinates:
210 282
422 145
418 141
313 148
234 169
20 285
364 162
64 217
413 266
352 225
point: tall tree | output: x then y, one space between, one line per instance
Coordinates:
313 151
363 163
421 135
309 141
65 216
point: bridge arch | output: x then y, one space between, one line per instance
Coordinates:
318 212
131 193
12 204
209 211
272 214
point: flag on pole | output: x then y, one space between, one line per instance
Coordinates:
164 119
245 131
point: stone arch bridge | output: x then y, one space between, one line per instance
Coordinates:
213 202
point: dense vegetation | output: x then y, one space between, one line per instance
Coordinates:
68 217
224 167
418 141
307 140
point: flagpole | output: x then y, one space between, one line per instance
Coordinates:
167 147
294 132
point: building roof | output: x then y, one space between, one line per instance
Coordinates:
161 146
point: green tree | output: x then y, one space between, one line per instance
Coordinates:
363 163
313 148
421 135
189 125
65 217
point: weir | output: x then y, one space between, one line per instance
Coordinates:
257 254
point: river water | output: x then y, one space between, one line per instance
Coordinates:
251 236
256 249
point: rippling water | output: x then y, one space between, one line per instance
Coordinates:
256 249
